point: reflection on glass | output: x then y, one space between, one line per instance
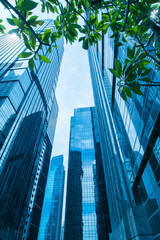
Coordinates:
87 216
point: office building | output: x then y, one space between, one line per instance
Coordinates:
51 218
129 137
86 214
28 114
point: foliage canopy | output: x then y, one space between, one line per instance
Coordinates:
137 21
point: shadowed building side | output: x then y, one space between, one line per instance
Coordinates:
28 109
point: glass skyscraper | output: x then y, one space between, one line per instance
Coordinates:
28 114
87 214
51 218
129 137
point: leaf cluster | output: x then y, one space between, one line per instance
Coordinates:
128 19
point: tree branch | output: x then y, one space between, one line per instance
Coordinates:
126 16
153 84
5 2
107 10
154 59
80 15
149 40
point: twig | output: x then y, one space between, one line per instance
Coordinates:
149 40
5 2
153 84
147 52
80 15
126 17
38 48
107 10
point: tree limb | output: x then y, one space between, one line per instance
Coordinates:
149 40
80 15
5 2
126 16
153 84
142 45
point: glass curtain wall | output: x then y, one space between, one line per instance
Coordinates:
50 225
27 106
85 217
129 133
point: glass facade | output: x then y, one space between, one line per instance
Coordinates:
28 111
129 134
87 214
50 225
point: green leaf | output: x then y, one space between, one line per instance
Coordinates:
128 92
44 58
118 66
123 93
73 25
43 7
40 22
2 28
35 57
50 49
10 21
138 51
145 79
25 54
114 72
72 31
1 20
51 8
27 5
46 34
32 39
32 19
130 54
105 28
26 42
85 44
31 64
16 20
136 88
145 62
123 39
56 9
92 21
53 37
141 56
14 31
118 44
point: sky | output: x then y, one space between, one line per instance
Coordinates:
73 90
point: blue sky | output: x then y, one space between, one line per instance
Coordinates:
73 90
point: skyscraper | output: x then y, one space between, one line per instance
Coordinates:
51 218
129 137
87 214
28 113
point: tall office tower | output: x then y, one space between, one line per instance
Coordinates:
129 137
87 214
51 218
28 113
